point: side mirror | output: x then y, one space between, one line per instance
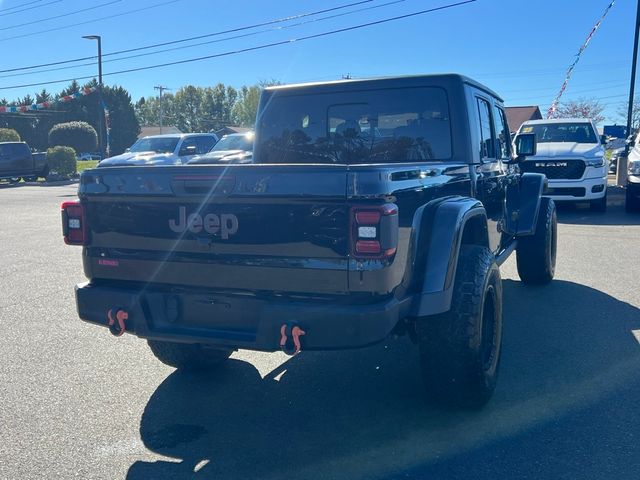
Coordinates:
189 150
127 149
603 139
525 145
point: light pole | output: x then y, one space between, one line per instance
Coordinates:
100 106
621 168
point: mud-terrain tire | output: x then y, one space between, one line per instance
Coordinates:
460 349
536 254
188 356
631 203
599 205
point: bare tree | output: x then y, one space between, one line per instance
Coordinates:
623 111
581 108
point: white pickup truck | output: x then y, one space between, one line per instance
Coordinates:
172 149
571 155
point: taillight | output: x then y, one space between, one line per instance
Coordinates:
74 225
374 231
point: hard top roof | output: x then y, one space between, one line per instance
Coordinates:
444 79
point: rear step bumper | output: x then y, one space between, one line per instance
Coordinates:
236 322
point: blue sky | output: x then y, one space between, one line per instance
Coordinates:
519 48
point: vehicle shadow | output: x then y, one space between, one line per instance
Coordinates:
362 413
581 215
58 183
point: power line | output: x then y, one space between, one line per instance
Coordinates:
234 37
238 29
222 32
20 5
258 47
26 9
60 16
108 17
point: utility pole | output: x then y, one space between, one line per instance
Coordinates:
621 169
161 89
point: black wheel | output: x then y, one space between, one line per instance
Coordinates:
188 356
599 205
536 254
460 349
33 178
631 203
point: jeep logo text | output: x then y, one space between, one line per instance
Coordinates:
224 224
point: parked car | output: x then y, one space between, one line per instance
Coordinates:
613 160
571 155
17 161
89 156
173 149
232 148
372 207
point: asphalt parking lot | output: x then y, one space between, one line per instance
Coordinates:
78 403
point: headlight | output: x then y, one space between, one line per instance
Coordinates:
595 162
634 167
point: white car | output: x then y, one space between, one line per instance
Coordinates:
174 149
571 155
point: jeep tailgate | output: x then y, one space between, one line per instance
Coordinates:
241 227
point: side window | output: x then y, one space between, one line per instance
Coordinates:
487 143
188 142
205 144
502 132
5 150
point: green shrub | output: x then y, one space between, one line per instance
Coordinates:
80 136
9 135
62 161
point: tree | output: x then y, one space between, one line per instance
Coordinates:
80 136
623 111
189 107
9 135
581 108
246 108
123 123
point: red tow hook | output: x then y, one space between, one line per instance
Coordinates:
291 346
116 320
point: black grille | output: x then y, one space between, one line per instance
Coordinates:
568 192
555 169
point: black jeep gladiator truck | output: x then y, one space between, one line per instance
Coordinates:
17 161
372 207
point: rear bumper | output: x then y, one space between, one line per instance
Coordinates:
237 322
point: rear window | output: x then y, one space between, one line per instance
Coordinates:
378 126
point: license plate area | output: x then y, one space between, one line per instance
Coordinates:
204 311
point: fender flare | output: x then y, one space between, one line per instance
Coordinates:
441 226
523 204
